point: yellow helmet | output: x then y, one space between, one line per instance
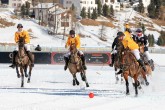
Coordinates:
127 25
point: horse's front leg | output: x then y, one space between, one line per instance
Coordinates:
126 82
30 70
83 76
116 75
145 78
22 77
75 81
17 71
136 84
25 70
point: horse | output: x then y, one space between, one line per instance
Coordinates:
75 65
130 67
22 61
117 64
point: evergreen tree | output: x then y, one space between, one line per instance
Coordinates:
151 9
89 13
157 8
105 10
83 13
143 28
23 10
73 7
160 41
111 11
141 7
99 7
94 14
151 40
27 4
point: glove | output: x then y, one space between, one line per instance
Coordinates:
114 51
65 46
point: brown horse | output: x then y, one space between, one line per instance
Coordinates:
130 67
75 66
22 61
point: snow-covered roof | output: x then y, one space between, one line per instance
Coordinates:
45 5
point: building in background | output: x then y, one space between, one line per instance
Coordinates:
52 15
17 3
79 4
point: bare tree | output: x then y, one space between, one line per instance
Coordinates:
102 32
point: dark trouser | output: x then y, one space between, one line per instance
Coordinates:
29 54
141 63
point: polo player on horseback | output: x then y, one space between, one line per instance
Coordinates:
142 39
128 42
18 34
73 38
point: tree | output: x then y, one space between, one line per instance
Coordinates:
151 40
94 14
105 10
99 7
111 11
157 8
160 41
141 7
89 13
102 32
83 13
23 10
27 4
151 9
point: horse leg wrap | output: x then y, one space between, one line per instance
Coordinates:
30 58
83 62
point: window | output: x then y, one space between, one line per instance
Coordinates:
14 4
19 5
106 0
91 2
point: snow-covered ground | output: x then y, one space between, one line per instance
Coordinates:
51 89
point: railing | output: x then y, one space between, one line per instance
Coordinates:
10 48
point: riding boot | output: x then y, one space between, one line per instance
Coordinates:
112 62
13 59
29 54
83 62
141 63
66 59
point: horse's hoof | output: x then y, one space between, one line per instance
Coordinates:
26 75
28 81
87 85
18 75
77 83
147 83
127 93
136 95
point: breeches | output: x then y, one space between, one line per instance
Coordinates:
27 47
69 53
